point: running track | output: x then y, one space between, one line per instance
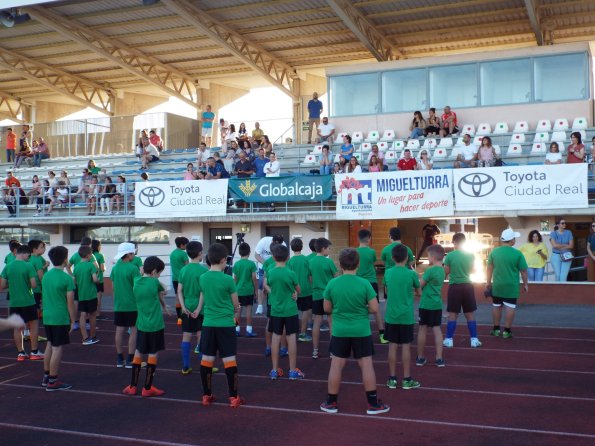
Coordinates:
538 387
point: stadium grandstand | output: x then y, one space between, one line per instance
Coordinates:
520 72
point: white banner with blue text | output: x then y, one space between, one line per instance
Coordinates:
402 194
164 199
521 187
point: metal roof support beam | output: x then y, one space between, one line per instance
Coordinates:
531 7
172 81
269 66
11 107
373 40
75 87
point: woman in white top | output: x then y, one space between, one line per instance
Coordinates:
353 165
553 156
424 161
272 169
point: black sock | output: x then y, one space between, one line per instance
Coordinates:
232 380
506 330
372 397
52 379
150 373
206 375
135 374
381 332
179 312
496 327
130 358
407 379
120 357
331 398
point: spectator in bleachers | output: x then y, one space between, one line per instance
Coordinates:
25 136
337 168
562 246
257 133
465 154
223 129
230 159
247 149
377 153
143 142
486 155
150 155
433 127
156 140
576 150
35 190
92 194
108 191
342 164
553 156
243 169
215 170
14 196
326 162
190 174
407 162
11 142
92 168
374 165
267 145
25 153
353 166
121 195
424 161
449 122
81 189
347 148
259 163
202 156
144 177
206 133
242 132
11 180
64 178
41 152
314 112
272 169
52 178
45 197
63 195
418 125
325 132
230 137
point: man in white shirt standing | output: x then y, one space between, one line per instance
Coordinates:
326 132
272 169
262 252
465 154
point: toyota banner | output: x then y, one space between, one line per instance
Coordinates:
165 199
521 188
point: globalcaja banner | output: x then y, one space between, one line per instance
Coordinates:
521 187
402 194
165 199
291 188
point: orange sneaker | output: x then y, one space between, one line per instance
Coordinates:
179 321
235 402
38 356
207 400
153 391
129 390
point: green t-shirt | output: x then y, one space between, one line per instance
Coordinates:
243 270
311 255
367 259
282 282
38 263
400 283
137 261
300 265
75 259
19 273
268 265
83 275
350 295
508 262
431 294
100 261
177 260
146 295
387 255
461 265
9 258
217 289
189 278
122 276
323 270
56 283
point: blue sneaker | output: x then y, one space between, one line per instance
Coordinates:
120 363
250 334
238 334
283 352
267 352
296 374
273 374
197 349
76 326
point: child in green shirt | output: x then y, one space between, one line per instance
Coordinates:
430 306
37 248
85 276
177 260
300 265
244 275
96 248
149 296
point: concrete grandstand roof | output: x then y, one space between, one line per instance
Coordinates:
117 45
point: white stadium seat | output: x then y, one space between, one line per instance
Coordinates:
559 136
383 146
538 148
477 141
398 145
579 124
521 127
514 150
388 135
561 124
311 160
501 127
373 136
339 139
390 155
517 138
430 143
497 150
446 143
484 129
468 128
543 125
439 154
357 137
317 149
366 147
412 144
541 137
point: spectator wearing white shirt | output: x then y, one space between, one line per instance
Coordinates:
326 132
202 156
353 166
465 154
272 169
150 155
553 156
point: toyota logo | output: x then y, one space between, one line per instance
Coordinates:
151 196
477 185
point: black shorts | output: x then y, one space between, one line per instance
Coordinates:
343 347
100 288
461 296
88 306
76 294
268 311
28 313
291 324
218 339
150 342
125 318
190 324
58 334
318 307
304 303
398 333
375 286
246 301
507 301
431 318
37 297
175 284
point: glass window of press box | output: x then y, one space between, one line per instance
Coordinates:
562 77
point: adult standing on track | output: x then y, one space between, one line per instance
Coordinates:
562 245
262 252
536 254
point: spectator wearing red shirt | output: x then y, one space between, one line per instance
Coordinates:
449 122
13 194
11 180
156 140
576 150
11 141
407 162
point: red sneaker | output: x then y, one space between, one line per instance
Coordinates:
36 356
129 390
207 400
235 402
153 391
22 356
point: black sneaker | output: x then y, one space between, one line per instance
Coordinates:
329 407
378 408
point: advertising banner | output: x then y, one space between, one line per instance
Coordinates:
290 188
521 187
402 194
165 199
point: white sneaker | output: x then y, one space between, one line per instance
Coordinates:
259 309
448 343
475 343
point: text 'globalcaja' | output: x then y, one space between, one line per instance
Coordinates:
412 183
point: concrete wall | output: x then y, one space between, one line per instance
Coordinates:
217 96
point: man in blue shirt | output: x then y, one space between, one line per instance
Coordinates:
259 163
207 126
215 170
314 111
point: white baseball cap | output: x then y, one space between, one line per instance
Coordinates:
123 249
508 234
